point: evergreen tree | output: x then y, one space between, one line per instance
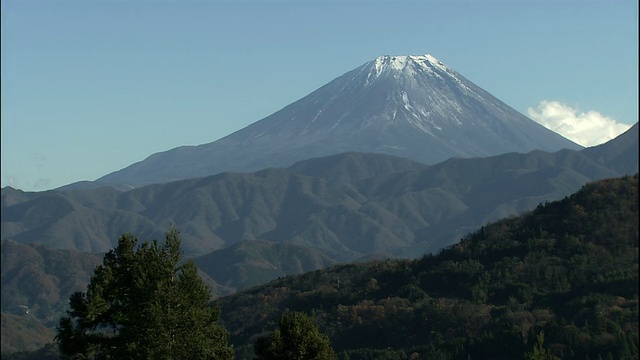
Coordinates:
144 303
539 352
297 338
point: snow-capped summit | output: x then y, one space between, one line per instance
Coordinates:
409 106
411 63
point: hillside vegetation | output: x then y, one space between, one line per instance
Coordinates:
568 269
36 284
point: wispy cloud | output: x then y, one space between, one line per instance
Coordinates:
9 180
585 128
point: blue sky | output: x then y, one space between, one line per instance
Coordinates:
90 87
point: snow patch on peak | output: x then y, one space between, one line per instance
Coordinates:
399 62
385 62
405 64
412 67
435 62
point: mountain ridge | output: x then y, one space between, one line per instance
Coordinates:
349 205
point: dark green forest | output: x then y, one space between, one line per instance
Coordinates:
561 279
568 269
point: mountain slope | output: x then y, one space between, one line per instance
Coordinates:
408 106
348 206
620 155
250 263
40 279
568 268
37 282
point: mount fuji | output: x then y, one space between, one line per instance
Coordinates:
414 107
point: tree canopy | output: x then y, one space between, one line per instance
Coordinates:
144 302
297 338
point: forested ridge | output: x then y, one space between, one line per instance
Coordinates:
566 272
568 269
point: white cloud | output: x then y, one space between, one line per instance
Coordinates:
9 180
585 128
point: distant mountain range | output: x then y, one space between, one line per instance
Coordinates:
348 205
407 106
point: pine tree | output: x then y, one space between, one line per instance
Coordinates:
297 338
539 352
144 303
